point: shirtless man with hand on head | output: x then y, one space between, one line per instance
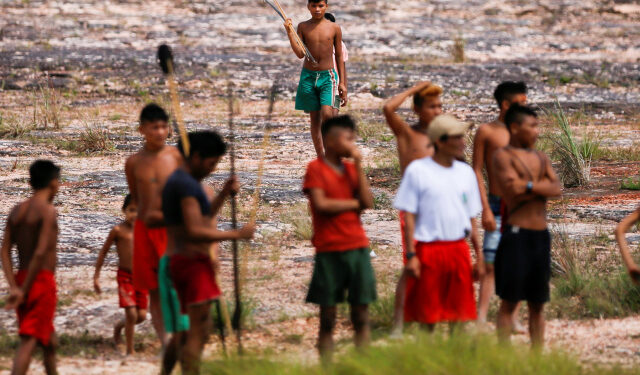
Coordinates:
413 143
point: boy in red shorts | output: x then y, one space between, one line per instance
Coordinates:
188 213
440 198
133 301
338 192
147 171
33 227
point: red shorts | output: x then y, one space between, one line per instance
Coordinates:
401 215
444 291
194 280
149 245
35 314
127 294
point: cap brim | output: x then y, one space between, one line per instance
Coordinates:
461 128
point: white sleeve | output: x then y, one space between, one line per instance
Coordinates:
474 204
407 196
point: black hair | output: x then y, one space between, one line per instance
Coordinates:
317 1
153 112
41 173
127 202
507 89
344 122
207 144
330 17
517 113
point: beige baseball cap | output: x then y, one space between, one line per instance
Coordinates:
446 125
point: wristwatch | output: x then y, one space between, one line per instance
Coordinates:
529 187
410 255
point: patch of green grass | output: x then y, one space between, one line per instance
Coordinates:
587 286
630 183
573 156
300 218
373 130
115 117
249 306
13 127
424 354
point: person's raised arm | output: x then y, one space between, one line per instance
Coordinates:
396 123
113 234
620 232
44 245
549 186
342 72
197 230
365 196
291 33
479 149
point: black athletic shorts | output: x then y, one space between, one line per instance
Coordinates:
523 265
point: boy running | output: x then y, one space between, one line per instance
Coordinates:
523 260
33 227
133 301
413 143
489 138
338 192
621 229
188 214
440 198
147 171
320 83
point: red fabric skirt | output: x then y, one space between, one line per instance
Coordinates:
35 314
444 292
149 245
194 280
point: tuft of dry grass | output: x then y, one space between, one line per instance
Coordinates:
457 49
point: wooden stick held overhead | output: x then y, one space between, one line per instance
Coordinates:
276 6
165 56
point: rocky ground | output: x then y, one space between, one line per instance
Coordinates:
75 74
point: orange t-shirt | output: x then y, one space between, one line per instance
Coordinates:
335 232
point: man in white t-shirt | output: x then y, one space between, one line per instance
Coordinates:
440 197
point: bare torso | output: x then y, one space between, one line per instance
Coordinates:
25 222
319 37
414 145
496 137
150 171
124 246
527 211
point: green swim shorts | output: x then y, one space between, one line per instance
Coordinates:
317 89
336 272
174 321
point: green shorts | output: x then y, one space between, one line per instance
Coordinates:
174 321
317 89
337 272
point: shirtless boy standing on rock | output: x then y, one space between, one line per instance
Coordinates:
413 144
319 83
33 227
147 171
489 138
